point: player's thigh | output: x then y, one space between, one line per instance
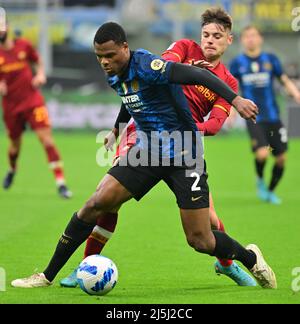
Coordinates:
109 196
189 187
44 134
196 225
137 180
15 126
278 139
39 121
112 191
257 135
195 221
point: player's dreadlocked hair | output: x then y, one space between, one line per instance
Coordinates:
216 15
110 31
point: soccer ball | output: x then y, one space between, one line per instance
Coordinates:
97 275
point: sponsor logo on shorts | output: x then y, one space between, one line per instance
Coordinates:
196 198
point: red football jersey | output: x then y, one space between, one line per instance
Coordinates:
15 70
201 99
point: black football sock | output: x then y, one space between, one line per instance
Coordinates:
227 248
75 234
276 176
259 166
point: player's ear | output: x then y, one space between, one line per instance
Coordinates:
230 38
125 45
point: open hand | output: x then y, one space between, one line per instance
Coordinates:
202 64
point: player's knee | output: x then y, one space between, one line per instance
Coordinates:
281 160
262 154
200 242
103 201
47 142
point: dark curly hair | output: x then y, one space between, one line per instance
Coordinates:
216 15
110 31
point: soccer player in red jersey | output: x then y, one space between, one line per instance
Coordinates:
216 37
23 104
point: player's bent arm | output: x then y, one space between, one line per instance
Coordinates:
189 75
290 87
39 78
215 122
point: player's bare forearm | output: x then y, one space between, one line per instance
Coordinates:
111 138
291 88
39 78
246 108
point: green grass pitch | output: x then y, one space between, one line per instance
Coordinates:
155 263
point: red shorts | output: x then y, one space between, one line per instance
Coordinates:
127 140
37 117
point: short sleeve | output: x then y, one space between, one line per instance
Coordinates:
276 64
176 52
221 103
153 69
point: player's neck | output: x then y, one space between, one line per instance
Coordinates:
253 53
214 61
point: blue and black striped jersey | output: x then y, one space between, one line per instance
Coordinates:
256 79
155 104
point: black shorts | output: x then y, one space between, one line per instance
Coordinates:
191 192
273 135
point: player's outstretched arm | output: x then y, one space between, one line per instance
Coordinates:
189 75
291 88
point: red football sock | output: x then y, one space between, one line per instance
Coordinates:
55 164
102 232
224 262
12 157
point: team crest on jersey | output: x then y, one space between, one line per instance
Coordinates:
21 55
268 66
2 60
157 64
135 86
255 67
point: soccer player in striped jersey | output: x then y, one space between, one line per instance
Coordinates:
23 104
168 148
256 71
216 37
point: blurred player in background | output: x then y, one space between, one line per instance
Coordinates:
215 38
256 71
23 104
